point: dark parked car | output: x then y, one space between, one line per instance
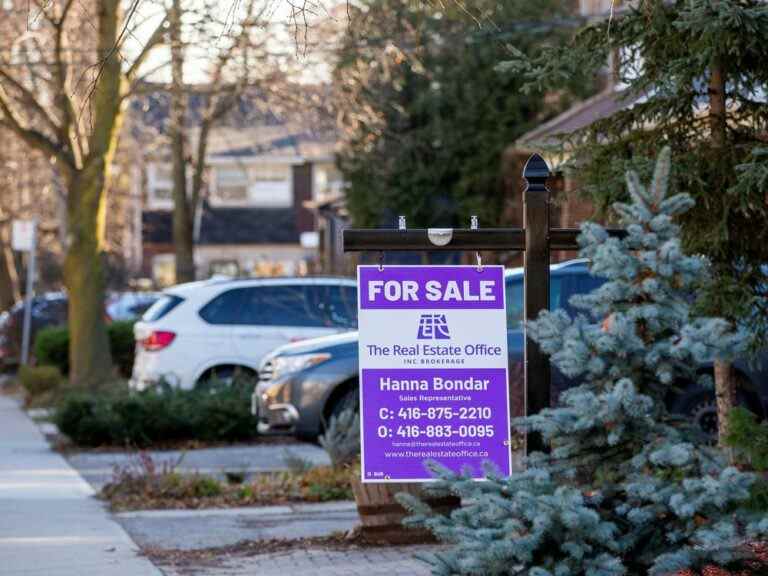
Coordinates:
302 385
50 309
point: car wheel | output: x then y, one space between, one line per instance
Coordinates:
347 399
703 413
350 399
223 376
701 407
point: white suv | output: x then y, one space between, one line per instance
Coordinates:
198 330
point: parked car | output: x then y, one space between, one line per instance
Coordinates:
301 386
127 306
212 329
51 309
48 309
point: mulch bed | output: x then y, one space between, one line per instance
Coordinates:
757 567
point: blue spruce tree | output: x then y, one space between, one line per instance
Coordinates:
626 489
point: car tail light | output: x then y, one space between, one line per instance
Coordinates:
157 340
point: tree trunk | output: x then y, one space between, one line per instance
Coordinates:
183 221
90 361
725 393
725 381
717 111
9 280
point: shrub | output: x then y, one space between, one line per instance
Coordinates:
38 380
122 345
342 437
749 438
159 415
52 347
325 483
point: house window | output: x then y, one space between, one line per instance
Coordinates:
260 185
229 268
328 182
164 270
231 184
160 185
271 185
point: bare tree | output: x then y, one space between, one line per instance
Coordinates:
240 61
66 98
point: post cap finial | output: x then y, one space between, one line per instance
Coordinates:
536 169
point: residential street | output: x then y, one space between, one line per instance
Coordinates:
51 524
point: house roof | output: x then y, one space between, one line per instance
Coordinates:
579 116
228 226
252 129
276 141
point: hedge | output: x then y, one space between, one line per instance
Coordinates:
52 347
39 380
160 415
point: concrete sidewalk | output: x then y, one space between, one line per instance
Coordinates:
216 527
50 524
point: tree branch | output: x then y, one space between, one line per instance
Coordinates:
68 131
154 40
32 137
30 99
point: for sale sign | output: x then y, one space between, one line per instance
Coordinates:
433 370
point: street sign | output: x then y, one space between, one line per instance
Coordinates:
23 235
433 370
23 238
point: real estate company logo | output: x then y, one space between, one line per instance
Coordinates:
433 327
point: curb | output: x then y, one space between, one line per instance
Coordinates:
259 511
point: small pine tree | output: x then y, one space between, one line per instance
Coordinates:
626 489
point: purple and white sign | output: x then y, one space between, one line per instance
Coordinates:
433 370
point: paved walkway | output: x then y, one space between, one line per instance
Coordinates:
399 561
50 525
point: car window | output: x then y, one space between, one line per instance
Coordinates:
514 297
280 306
226 307
335 305
161 307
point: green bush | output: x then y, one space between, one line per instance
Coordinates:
52 347
161 415
749 438
38 380
122 346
